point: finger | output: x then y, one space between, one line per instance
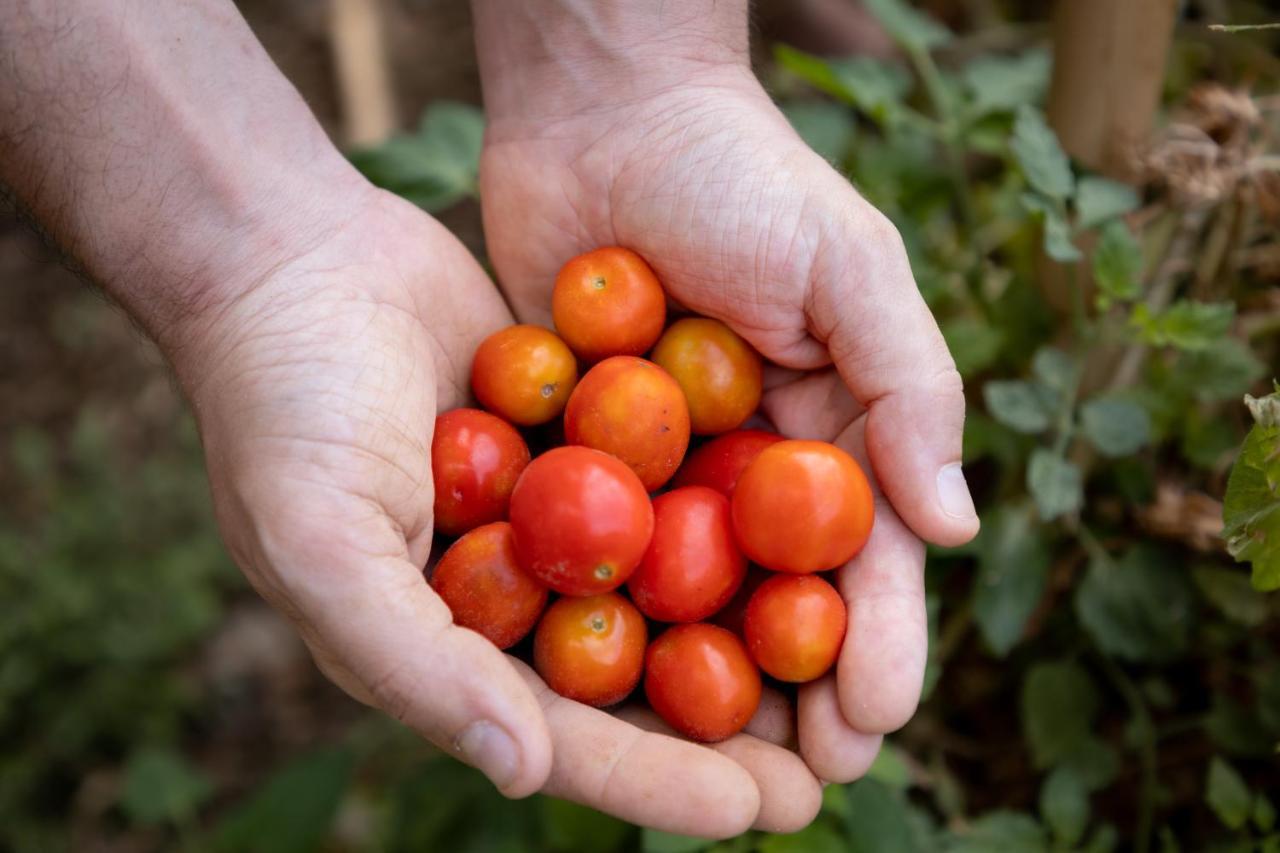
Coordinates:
642 777
790 795
774 720
813 405
884 342
834 750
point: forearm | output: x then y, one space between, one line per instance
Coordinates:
544 59
160 147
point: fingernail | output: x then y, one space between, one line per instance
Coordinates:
489 749
953 492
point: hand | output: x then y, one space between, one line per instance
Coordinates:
702 175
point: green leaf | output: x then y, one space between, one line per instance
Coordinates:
434 168
1207 439
1064 805
825 127
1056 369
1117 265
1233 594
974 344
1221 371
1001 832
909 27
878 819
1039 156
1115 426
1098 200
1227 794
1013 567
292 811
1093 761
1027 407
161 786
1137 608
1004 83
1184 325
1058 704
890 769
1058 242
653 841
571 827
1105 839
876 88
1264 814
1055 483
814 838
1251 507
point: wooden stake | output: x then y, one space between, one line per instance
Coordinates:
356 37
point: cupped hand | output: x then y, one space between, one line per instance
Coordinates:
742 222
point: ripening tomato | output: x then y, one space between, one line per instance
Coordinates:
634 410
582 520
721 375
801 507
485 588
523 373
794 627
700 679
591 649
718 463
608 302
476 459
693 566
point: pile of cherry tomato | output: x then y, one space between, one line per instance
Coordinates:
720 551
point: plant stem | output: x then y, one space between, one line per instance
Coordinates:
1145 730
950 136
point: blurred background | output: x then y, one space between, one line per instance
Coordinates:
1103 675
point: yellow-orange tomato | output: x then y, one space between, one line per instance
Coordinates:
720 373
794 627
634 410
608 302
523 373
485 588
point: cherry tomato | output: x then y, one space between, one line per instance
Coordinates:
485 588
718 463
693 566
608 302
475 461
634 410
700 679
524 373
721 375
801 507
582 520
794 626
591 649
733 615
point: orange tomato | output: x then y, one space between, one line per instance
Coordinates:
634 410
700 679
801 507
608 302
485 588
523 373
794 627
591 649
721 375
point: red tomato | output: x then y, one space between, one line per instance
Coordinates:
634 410
608 302
524 373
794 626
485 588
801 507
476 459
693 566
718 463
734 614
582 520
721 375
591 650
700 679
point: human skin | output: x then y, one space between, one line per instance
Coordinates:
640 124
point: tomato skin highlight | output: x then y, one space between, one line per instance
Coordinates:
582 520
692 566
524 373
721 375
591 649
608 302
700 679
718 463
794 627
476 459
802 507
634 410
485 588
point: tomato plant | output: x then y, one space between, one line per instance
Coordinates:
700 679
718 463
475 461
591 649
582 520
794 627
524 373
634 410
719 372
608 302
